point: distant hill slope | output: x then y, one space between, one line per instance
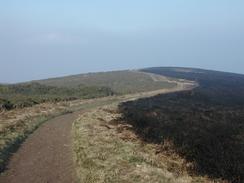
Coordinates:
219 87
119 81
81 86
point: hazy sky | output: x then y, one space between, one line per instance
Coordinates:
40 39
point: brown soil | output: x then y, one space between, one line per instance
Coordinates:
46 156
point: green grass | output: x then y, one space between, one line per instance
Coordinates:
82 86
122 82
29 94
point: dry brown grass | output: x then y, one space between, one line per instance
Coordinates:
106 150
17 124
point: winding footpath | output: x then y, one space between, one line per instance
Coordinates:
46 156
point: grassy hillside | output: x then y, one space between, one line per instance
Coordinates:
121 82
205 125
28 94
17 124
82 86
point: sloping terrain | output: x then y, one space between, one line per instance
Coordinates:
107 150
205 125
81 86
215 86
46 155
192 135
24 107
121 82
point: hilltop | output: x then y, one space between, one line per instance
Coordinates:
82 86
121 82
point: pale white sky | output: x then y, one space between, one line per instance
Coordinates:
54 38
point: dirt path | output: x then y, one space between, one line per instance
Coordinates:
46 156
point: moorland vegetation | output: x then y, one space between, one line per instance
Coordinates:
204 125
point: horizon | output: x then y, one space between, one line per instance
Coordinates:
135 69
41 40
